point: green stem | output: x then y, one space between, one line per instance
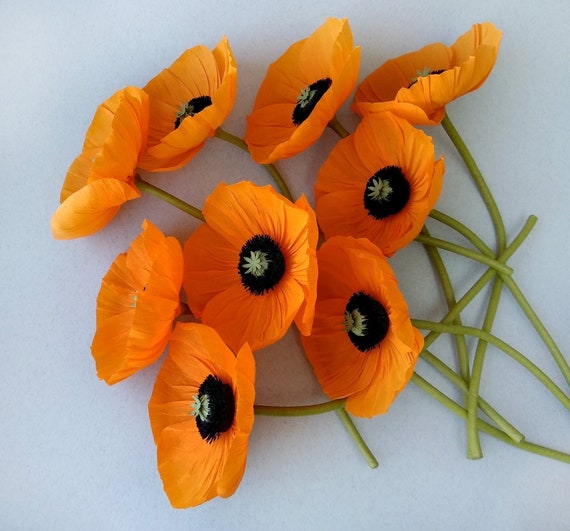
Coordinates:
278 178
338 128
511 284
449 295
486 427
169 198
460 342
500 344
479 180
484 279
355 434
464 251
232 139
300 411
466 232
461 304
318 409
474 446
484 406
271 169
539 327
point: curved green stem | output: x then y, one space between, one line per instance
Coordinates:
483 279
484 406
318 409
300 411
479 180
464 251
461 304
271 169
449 295
338 128
500 344
486 427
511 284
278 178
474 448
232 139
460 342
145 186
539 327
466 232
357 438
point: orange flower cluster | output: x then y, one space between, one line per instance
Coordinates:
418 85
252 268
157 128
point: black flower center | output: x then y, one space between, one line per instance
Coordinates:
192 107
309 97
366 321
386 192
424 73
213 408
261 264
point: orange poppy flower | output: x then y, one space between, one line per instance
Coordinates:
418 85
101 178
251 269
302 91
380 183
188 102
363 345
137 304
201 415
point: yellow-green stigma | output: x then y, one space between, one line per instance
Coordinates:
256 263
379 189
191 107
200 407
355 322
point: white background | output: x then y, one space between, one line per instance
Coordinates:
77 454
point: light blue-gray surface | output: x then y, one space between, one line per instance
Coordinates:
76 454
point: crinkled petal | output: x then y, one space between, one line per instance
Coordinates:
89 209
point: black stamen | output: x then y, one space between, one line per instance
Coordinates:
375 319
432 72
221 408
192 107
393 198
309 99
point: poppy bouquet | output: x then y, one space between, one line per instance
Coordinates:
261 260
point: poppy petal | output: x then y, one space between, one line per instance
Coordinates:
90 208
381 141
215 283
137 304
369 375
418 85
193 468
207 81
327 56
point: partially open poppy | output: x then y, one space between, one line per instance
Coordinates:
137 304
188 102
418 85
380 183
251 269
363 346
201 415
101 178
302 91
